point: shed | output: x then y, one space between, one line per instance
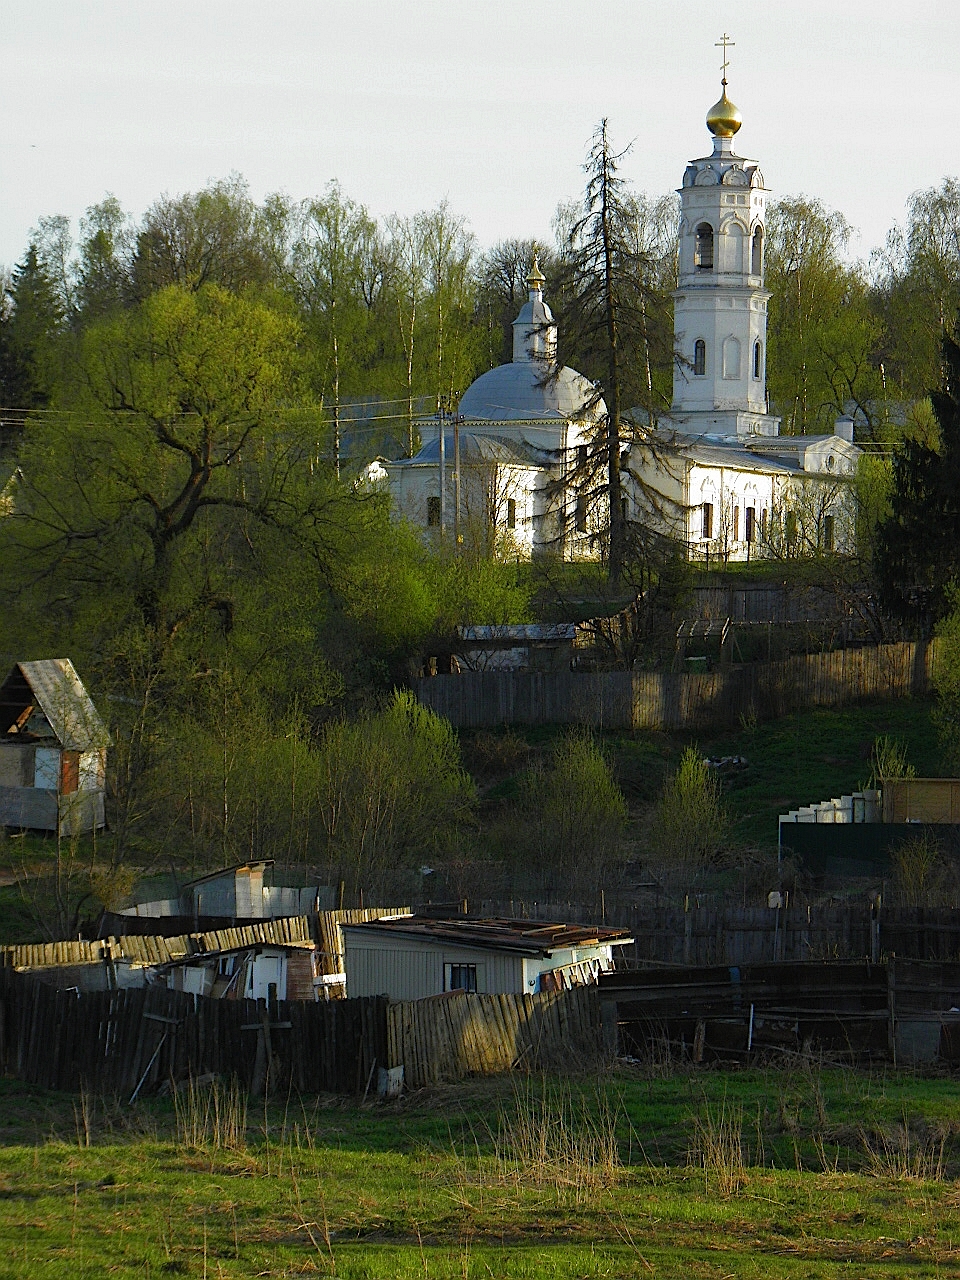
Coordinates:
411 957
519 647
282 971
53 750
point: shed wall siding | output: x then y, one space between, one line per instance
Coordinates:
410 969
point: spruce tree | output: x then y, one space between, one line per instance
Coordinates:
918 545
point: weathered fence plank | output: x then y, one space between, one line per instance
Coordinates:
664 700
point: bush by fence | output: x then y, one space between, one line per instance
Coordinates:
655 700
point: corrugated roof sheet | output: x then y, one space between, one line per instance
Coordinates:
66 703
528 937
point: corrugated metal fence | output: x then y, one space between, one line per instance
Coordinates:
655 700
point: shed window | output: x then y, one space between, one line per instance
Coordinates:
750 524
511 513
433 511
736 524
763 524
791 528
706 514
699 357
460 977
756 265
703 252
827 534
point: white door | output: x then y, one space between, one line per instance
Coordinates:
267 969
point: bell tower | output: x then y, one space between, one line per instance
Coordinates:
720 304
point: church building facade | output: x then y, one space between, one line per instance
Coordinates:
714 474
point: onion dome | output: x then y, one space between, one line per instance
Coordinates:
723 118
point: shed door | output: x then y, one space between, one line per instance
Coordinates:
46 769
267 969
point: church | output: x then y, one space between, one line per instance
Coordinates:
714 474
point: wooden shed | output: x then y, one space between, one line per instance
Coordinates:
53 750
411 957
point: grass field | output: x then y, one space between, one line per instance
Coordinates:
806 1173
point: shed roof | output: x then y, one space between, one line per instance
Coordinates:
224 873
525 937
54 686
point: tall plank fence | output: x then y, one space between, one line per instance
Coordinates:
451 1036
665 700
122 1041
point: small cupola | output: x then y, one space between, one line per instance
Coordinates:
534 330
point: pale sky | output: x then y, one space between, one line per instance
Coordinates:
488 103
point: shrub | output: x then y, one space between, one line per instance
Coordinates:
578 812
690 822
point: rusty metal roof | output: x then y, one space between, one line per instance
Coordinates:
64 701
527 937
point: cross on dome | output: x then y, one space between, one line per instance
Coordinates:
723 118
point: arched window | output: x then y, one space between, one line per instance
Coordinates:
733 253
757 360
731 358
703 253
699 357
756 263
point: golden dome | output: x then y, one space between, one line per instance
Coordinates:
723 118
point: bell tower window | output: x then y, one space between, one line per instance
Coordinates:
756 257
703 251
757 360
699 357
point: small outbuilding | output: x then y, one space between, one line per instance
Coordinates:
53 750
412 957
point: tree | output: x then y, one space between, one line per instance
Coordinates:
608 313
30 332
690 823
449 251
918 287
822 333
103 283
170 526
331 256
393 790
213 236
918 544
578 812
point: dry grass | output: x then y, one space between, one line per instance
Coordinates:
716 1146
211 1115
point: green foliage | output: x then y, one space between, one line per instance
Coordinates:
691 823
946 682
918 544
888 759
392 791
822 332
578 814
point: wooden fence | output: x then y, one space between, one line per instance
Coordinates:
124 1041
655 700
668 934
902 1009
451 1036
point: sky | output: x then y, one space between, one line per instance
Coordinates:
489 104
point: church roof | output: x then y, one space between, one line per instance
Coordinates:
473 448
525 390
